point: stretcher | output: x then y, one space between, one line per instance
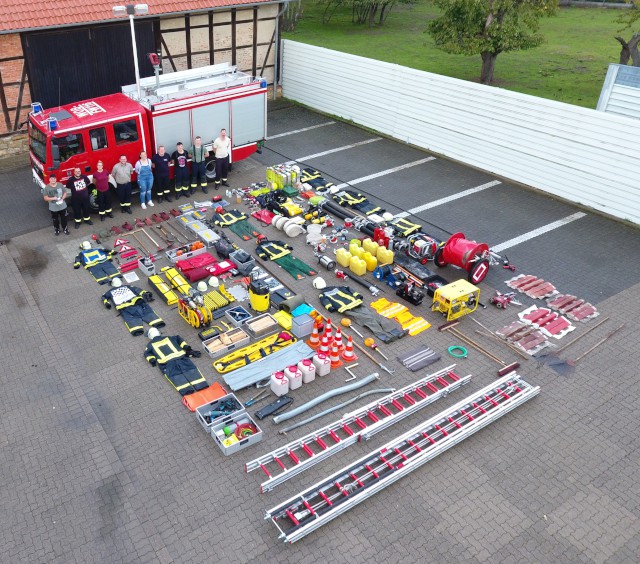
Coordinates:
254 352
163 290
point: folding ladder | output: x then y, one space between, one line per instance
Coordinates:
329 498
360 424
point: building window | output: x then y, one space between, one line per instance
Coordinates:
98 138
125 131
69 145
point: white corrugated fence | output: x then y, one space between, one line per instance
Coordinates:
583 155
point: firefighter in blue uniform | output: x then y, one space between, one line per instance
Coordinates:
171 354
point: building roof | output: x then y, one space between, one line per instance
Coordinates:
23 15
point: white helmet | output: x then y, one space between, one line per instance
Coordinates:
319 283
214 282
116 282
387 216
153 333
202 286
86 245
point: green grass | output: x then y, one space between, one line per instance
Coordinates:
570 66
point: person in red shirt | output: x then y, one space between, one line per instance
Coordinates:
101 180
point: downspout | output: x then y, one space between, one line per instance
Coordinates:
277 51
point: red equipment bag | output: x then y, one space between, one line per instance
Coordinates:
199 261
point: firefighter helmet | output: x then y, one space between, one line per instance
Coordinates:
202 286
319 283
214 282
387 216
116 282
86 245
153 333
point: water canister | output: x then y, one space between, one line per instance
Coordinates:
322 362
356 250
385 256
294 374
343 257
358 266
370 246
279 383
370 260
308 370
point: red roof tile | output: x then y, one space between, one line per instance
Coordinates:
18 15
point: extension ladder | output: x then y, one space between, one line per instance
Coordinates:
329 498
360 424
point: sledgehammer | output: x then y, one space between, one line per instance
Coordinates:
506 368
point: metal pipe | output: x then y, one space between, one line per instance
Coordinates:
335 408
324 397
135 55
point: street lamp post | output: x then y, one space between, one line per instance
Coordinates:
132 10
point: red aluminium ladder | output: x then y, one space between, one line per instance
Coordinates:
362 423
329 498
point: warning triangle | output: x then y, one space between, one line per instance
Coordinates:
120 242
125 248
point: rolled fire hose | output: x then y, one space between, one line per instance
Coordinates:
335 408
324 397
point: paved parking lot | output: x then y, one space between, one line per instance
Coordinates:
101 462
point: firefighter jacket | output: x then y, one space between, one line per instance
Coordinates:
403 227
356 201
273 250
314 179
125 296
162 350
229 217
340 299
92 257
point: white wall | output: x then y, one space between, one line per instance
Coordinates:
582 155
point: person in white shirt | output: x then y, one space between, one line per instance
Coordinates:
222 151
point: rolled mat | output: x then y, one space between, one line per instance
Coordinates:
292 303
419 358
262 369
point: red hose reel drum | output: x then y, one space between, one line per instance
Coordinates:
466 254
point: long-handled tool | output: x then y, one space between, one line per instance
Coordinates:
583 334
506 368
375 360
152 239
144 248
604 339
369 342
346 322
261 396
168 237
496 338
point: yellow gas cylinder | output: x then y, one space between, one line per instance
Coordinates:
343 257
385 256
370 260
370 246
356 250
358 266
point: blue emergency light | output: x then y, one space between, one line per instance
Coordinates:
53 123
263 84
36 108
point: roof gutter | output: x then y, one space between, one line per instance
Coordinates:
147 17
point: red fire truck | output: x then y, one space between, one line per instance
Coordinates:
167 109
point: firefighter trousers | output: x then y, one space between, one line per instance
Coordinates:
182 180
137 315
384 329
81 209
184 376
244 229
198 175
103 272
294 266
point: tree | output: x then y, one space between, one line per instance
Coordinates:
489 27
629 49
362 11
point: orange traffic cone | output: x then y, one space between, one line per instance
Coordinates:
314 341
338 339
324 347
335 357
328 331
348 355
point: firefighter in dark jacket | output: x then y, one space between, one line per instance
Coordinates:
78 184
171 354
132 306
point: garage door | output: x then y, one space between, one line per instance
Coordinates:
79 63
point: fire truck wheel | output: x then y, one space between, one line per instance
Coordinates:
478 272
438 260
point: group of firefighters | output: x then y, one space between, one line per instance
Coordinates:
155 170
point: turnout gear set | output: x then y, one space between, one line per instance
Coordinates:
280 253
98 263
171 354
356 201
344 300
237 221
131 304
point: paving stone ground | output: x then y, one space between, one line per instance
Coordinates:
101 462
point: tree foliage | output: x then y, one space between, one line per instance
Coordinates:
629 50
630 17
489 27
371 12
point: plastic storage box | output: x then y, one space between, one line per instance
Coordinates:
237 315
173 257
226 403
261 325
226 342
302 326
229 446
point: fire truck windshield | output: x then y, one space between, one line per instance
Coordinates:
37 143
67 146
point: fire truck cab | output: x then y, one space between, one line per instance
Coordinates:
167 109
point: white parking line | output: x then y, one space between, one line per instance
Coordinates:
299 130
448 199
383 173
536 232
343 148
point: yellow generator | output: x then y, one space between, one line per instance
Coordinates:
456 299
194 312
